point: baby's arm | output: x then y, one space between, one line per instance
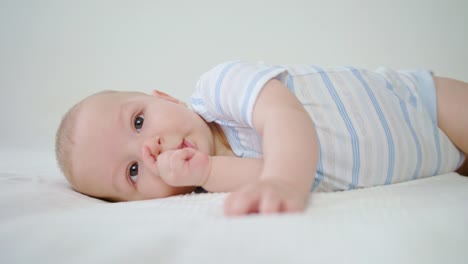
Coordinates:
280 182
290 154
189 167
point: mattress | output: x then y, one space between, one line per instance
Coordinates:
43 221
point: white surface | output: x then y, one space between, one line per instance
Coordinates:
424 221
53 53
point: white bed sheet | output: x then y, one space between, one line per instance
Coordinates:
43 221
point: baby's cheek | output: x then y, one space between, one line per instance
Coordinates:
152 186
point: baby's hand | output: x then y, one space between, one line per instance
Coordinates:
265 197
184 167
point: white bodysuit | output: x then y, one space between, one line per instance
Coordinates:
373 127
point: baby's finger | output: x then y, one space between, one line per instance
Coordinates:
179 158
183 154
241 203
191 166
172 167
292 206
179 165
270 204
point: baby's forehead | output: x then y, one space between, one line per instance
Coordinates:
111 97
105 107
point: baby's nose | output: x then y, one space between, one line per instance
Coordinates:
151 148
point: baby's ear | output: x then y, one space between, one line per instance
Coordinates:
165 96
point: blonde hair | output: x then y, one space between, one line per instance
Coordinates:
65 139
64 142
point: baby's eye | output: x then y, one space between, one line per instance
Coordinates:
133 172
138 122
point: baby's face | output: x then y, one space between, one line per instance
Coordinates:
119 136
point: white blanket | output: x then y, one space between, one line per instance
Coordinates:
43 221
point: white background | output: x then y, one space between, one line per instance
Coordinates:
54 53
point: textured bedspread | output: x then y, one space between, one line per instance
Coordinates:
424 221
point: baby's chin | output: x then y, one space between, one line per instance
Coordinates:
180 191
157 195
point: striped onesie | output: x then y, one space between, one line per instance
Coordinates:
373 127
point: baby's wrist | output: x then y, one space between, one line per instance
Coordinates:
207 172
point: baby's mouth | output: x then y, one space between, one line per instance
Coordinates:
186 144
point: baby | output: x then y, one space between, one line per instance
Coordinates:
268 134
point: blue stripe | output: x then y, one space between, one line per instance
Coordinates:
426 90
415 138
439 155
290 84
435 128
411 128
197 101
429 101
248 92
383 121
237 139
349 126
411 96
320 175
219 83
430 104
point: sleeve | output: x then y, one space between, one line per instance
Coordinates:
227 93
